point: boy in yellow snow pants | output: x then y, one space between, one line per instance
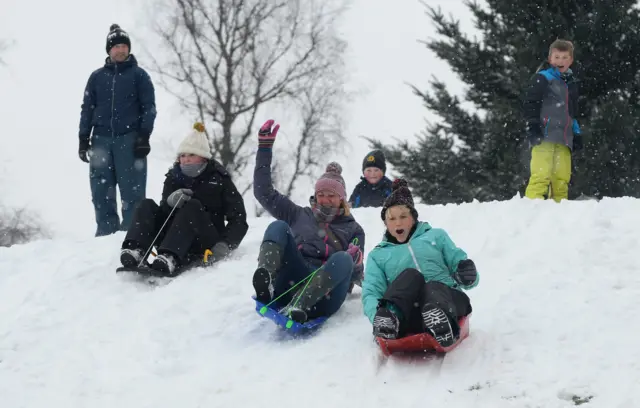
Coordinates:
550 108
550 171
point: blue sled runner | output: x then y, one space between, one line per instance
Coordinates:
285 322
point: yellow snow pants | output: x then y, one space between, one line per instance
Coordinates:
550 171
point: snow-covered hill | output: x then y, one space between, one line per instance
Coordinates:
554 324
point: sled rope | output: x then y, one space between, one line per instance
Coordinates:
144 258
263 310
307 279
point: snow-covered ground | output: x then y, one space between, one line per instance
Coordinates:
554 320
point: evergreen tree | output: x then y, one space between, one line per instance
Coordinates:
484 154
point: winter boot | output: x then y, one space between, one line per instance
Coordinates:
386 324
437 323
269 262
295 313
308 295
130 257
165 264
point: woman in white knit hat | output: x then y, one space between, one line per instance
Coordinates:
202 195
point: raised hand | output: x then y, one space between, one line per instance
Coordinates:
266 135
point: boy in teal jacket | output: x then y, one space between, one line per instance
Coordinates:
413 277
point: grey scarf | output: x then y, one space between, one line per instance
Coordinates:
193 170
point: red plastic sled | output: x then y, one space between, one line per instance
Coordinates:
422 342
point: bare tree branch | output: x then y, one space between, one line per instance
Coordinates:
19 226
321 105
4 46
225 59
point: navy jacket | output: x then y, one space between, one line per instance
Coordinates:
118 99
219 197
366 194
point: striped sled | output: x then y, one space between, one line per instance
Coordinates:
422 342
285 322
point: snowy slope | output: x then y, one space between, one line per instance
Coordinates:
554 318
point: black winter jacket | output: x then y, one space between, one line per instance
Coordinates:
218 195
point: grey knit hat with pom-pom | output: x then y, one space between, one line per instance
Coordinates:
332 180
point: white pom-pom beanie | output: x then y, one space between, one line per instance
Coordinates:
196 143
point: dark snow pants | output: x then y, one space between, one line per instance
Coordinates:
409 293
295 268
112 162
186 235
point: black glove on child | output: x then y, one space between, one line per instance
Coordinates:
534 139
534 133
577 142
466 273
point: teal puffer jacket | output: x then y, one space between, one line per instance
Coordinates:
429 250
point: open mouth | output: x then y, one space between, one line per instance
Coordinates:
400 231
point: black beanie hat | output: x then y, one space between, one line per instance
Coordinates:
375 159
400 195
117 36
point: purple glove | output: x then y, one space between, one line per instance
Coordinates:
266 136
355 253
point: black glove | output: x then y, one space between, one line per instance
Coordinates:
534 138
142 147
466 273
534 134
83 149
577 142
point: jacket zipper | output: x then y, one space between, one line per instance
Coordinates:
566 127
113 98
546 126
413 255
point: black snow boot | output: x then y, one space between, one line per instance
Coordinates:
437 323
386 324
166 264
130 257
307 296
269 262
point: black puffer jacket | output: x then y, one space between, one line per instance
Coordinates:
218 195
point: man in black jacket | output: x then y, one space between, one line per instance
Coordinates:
197 197
116 121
